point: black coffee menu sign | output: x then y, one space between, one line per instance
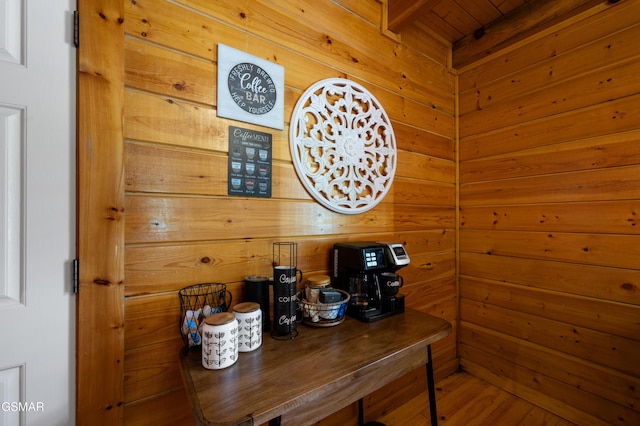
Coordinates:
249 162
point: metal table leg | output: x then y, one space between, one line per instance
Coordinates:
431 388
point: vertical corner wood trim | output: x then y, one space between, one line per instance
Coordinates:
384 21
100 200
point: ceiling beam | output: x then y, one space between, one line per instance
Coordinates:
531 17
402 12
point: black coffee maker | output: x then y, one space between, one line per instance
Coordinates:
360 268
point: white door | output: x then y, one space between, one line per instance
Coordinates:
37 212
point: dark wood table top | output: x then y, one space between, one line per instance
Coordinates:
307 378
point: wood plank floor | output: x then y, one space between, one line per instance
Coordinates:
466 400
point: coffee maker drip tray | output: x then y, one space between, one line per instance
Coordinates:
389 306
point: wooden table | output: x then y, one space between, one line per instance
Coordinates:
322 370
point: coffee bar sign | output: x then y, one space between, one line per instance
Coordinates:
250 89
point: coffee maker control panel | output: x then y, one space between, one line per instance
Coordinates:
373 258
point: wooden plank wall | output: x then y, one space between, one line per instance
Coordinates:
550 218
182 228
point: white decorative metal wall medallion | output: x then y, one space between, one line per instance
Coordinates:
343 146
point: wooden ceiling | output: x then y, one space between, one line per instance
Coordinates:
476 28
451 19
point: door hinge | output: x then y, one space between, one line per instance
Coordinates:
76 276
76 29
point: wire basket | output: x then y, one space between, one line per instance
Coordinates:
197 302
324 314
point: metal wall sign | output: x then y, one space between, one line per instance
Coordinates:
249 163
250 89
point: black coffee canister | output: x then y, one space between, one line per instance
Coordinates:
256 289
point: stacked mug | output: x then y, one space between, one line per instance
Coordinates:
285 306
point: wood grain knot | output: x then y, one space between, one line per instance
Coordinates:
628 286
